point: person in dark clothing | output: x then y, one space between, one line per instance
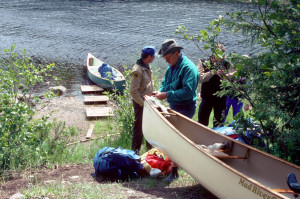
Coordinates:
211 84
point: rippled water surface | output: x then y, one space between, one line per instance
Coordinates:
114 31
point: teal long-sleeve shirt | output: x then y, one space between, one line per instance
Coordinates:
181 82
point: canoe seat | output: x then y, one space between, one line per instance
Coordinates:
91 61
293 183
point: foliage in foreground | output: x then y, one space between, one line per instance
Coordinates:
124 114
25 141
273 74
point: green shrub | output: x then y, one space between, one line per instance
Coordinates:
124 114
25 141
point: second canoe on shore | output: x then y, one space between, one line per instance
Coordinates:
93 65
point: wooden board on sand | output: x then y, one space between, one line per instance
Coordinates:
95 99
94 112
91 88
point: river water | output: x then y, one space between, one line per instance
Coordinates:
64 31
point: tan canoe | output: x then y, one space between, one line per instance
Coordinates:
240 171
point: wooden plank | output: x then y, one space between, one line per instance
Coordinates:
98 98
91 88
86 140
99 112
90 131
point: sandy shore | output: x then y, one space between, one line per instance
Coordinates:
71 110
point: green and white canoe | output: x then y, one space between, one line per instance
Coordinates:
92 70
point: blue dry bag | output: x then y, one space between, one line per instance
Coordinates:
117 163
106 71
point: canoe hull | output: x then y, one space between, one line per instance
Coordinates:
219 177
92 71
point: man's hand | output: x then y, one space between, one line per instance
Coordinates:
160 95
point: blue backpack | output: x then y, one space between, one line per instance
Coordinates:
117 163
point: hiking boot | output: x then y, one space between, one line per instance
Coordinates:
173 175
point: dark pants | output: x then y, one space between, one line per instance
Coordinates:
137 137
206 106
187 109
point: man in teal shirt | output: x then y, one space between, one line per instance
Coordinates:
179 86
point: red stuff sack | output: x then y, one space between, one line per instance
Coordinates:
156 162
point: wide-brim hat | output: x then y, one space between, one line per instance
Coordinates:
168 46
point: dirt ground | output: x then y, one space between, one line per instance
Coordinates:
82 173
72 111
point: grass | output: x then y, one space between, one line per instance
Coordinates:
64 190
181 188
105 132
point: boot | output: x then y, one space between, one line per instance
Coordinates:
173 175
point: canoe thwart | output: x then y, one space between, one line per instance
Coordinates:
233 156
164 113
